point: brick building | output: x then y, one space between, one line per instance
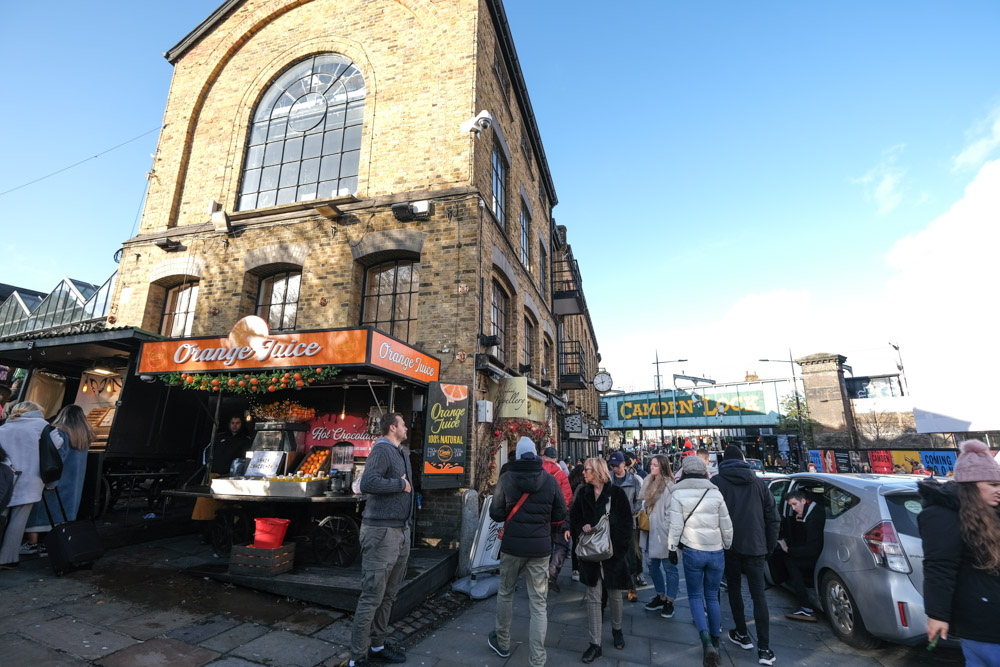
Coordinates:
345 163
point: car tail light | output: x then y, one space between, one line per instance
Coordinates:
886 547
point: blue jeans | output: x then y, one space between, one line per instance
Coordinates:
664 585
980 654
702 574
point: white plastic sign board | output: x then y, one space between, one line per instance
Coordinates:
265 464
486 546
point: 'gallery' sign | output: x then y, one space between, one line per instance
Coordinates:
445 437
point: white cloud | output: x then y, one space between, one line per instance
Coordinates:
882 182
984 138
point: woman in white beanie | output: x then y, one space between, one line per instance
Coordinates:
960 529
700 523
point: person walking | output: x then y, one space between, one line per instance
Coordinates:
960 530
700 523
630 484
73 428
595 498
529 502
20 435
655 494
755 535
802 544
385 542
560 531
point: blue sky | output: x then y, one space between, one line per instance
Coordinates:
737 178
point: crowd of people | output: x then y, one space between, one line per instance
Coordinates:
647 519
30 506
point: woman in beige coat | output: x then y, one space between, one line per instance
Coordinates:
655 494
700 523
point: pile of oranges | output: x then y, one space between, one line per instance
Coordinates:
284 411
314 461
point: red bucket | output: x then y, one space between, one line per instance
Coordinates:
270 533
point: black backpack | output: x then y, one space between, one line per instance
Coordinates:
50 464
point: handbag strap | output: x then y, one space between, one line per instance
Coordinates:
517 506
692 511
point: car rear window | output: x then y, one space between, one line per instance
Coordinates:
904 509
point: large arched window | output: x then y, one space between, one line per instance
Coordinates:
305 139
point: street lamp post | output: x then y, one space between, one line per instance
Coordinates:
795 388
899 366
659 395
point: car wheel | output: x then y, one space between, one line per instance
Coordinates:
845 617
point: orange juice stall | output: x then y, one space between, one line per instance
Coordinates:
311 401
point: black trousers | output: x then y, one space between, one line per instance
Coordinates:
753 568
801 580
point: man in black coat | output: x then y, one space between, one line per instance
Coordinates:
528 500
755 535
802 544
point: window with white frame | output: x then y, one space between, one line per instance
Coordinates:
525 236
498 321
278 300
499 185
390 298
178 310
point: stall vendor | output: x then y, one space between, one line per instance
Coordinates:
230 445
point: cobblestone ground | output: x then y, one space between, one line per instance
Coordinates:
137 608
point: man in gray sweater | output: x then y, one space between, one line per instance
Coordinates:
385 542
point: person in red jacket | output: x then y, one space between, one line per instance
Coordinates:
560 532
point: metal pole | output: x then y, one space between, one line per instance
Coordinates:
659 396
207 477
798 405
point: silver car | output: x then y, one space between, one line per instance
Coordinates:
869 577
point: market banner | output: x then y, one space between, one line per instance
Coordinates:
842 459
940 462
881 461
906 458
829 461
445 436
816 458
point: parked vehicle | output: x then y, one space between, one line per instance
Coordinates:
869 577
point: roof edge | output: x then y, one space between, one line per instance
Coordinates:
499 17
178 49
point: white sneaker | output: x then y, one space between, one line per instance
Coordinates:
28 549
576 575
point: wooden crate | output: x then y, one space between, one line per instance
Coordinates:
261 562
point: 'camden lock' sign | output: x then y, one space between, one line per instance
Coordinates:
445 438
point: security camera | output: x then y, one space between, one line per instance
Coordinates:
481 121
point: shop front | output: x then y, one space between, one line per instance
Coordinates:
311 403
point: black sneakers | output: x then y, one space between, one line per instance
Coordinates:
743 641
656 603
387 654
802 614
618 638
765 656
667 611
495 645
592 653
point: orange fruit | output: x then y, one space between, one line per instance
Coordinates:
454 393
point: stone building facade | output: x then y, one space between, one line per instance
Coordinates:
243 195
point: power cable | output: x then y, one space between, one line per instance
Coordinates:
76 164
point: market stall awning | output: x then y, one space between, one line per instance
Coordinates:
363 348
71 350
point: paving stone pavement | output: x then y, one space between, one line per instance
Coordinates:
136 608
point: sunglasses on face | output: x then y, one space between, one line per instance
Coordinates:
588 470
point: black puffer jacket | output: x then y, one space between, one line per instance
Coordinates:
586 510
751 508
529 533
955 591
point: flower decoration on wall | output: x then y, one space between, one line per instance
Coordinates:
509 430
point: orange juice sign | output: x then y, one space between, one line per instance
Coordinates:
445 435
402 359
318 348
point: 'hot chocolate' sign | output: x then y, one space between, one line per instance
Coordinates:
327 430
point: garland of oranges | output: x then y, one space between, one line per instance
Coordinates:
261 382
